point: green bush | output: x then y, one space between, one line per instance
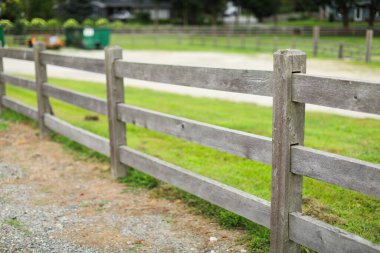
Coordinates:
88 22
117 24
38 22
71 23
24 22
53 23
102 22
143 17
6 24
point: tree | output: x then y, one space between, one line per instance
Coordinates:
343 6
76 9
213 9
261 8
37 8
11 9
373 7
189 11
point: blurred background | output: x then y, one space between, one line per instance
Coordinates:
337 29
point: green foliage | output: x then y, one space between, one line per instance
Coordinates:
70 23
11 9
53 23
24 22
102 22
38 8
143 17
88 22
137 179
38 22
3 126
6 24
78 10
117 24
15 117
261 8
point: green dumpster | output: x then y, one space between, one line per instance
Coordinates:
87 37
2 40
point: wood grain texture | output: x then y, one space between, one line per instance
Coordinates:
22 82
239 202
346 172
288 130
258 82
82 100
338 93
20 54
235 142
86 138
115 96
17 106
74 62
41 77
322 237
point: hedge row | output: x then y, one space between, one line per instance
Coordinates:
55 23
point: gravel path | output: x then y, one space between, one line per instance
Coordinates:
51 201
332 68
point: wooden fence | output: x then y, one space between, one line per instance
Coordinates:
262 39
291 89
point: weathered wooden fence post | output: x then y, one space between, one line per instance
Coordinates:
341 51
288 130
316 34
369 39
2 86
41 78
115 96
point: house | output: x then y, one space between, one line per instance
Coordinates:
359 12
125 9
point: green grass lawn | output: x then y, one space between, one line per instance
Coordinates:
354 47
358 138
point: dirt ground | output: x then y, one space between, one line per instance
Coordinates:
59 199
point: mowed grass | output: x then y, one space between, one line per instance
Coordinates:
358 138
354 47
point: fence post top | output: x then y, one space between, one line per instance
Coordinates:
296 58
290 53
113 48
39 45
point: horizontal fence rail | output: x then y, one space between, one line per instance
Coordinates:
339 93
343 171
248 206
18 81
86 138
238 143
20 107
339 170
256 82
323 237
84 101
20 54
79 63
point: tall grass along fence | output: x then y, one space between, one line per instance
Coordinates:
291 89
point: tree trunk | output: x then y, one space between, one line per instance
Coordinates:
156 13
185 16
345 16
372 15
